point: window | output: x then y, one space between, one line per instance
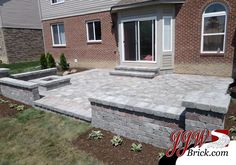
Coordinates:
58 35
214 22
167 33
94 31
57 1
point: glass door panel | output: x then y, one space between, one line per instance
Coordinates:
139 40
130 41
146 40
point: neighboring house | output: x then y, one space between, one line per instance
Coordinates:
192 36
21 36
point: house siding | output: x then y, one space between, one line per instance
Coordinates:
23 44
20 14
188 58
90 55
74 7
3 53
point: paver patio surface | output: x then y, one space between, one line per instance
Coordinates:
169 89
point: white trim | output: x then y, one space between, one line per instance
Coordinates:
59 37
215 14
56 3
144 18
163 32
94 31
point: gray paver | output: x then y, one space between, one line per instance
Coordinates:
164 90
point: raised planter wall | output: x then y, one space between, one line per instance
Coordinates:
22 91
154 124
4 72
35 74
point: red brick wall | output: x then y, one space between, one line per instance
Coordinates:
188 58
91 55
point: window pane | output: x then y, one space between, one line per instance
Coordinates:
215 8
167 34
213 43
98 30
214 24
62 34
90 31
55 34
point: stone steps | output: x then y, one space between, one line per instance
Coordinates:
140 72
138 69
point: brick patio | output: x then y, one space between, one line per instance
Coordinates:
165 90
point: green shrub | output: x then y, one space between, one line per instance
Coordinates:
116 141
136 147
43 62
50 61
63 62
95 135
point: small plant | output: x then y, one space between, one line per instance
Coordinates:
2 101
12 106
161 155
233 118
233 138
116 141
50 61
20 107
136 147
43 62
233 130
95 135
63 62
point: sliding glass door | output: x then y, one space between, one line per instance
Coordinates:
139 40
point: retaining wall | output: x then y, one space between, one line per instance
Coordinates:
4 72
22 91
154 124
35 74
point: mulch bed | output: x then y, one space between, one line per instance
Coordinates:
6 111
121 155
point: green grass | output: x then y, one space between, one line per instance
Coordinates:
36 137
22 67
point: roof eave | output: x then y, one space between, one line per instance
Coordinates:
117 8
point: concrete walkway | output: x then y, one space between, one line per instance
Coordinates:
168 90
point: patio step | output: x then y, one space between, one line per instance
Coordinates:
141 72
138 69
63 106
148 75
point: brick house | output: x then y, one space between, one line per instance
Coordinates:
21 36
180 36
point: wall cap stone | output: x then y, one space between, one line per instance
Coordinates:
19 75
211 101
139 106
4 70
18 83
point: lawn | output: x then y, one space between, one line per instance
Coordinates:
22 67
37 137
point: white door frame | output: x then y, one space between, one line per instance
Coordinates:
154 38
